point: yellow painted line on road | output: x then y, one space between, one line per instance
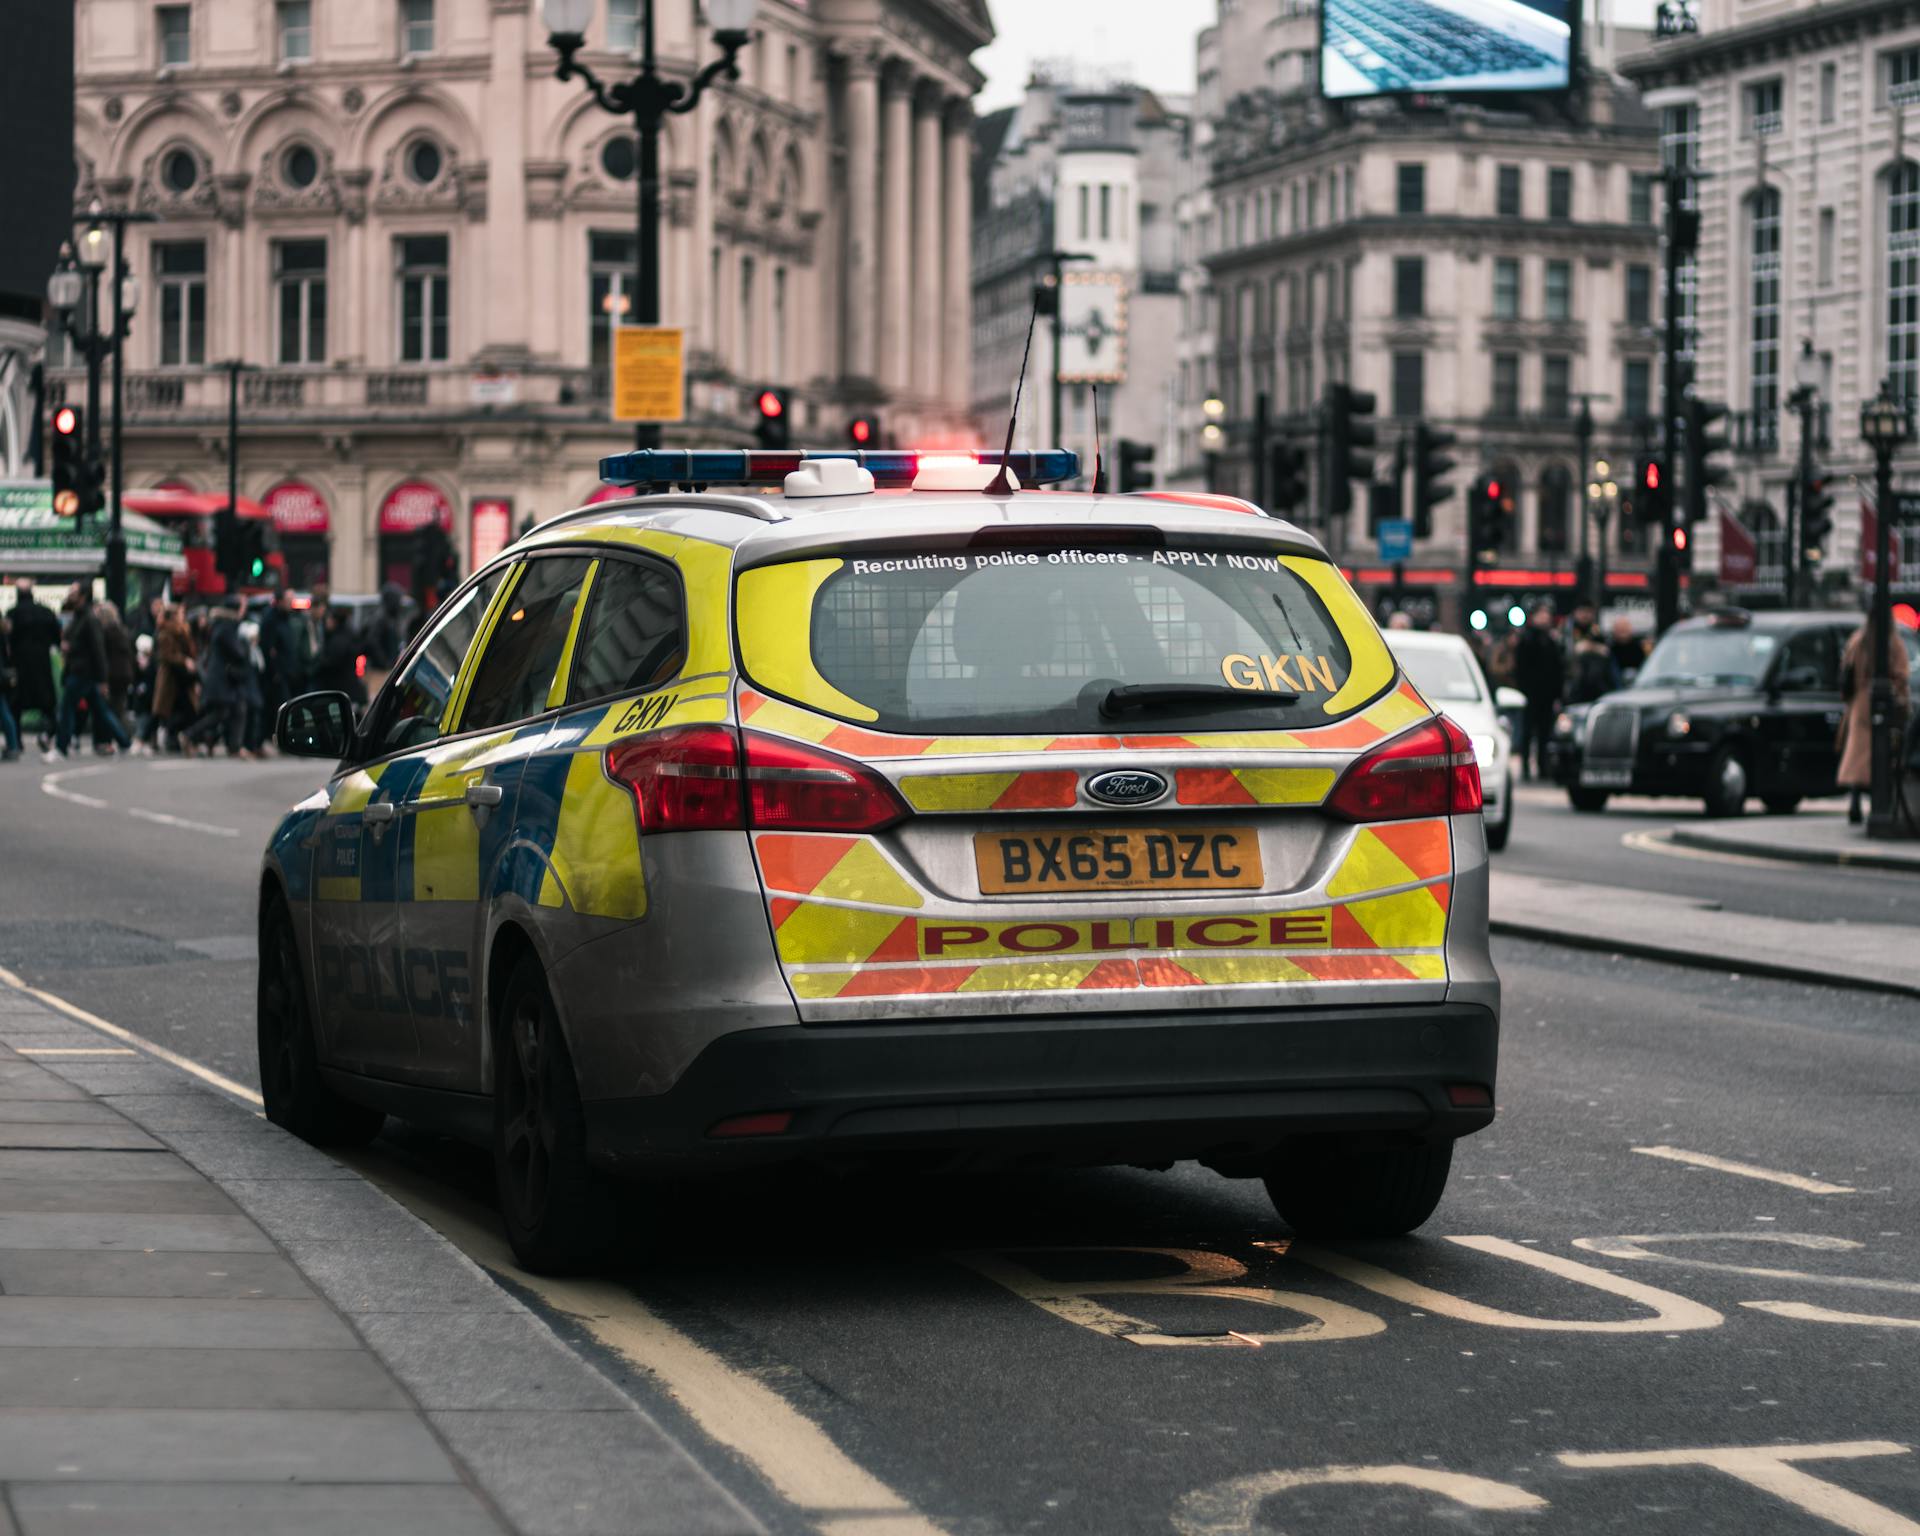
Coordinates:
1807 1312
1656 842
1746 1170
172 1058
74 1050
789 1450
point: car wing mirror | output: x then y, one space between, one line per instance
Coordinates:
1509 698
315 725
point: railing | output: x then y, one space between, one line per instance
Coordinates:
396 389
155 391
285 390
1753 432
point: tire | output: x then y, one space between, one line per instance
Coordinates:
1499 832
1726 784
296 1098
1358 1186
1586 799
1781 805
555 1206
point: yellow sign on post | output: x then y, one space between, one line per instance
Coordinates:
649 377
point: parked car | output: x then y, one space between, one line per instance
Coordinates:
1447 673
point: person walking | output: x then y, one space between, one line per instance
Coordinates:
1855 739
1629 650
36 636
175 679
9 680
85 677
1590 669
226 682
338 669
120 669
1539 673
285 671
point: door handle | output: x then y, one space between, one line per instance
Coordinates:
479 795
380 810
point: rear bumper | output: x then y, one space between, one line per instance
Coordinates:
1223 1086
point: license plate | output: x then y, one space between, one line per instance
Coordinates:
1606 778
1118 859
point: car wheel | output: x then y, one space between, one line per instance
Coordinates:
1726 784
295 1096
1499 831
1782 805
553 1201
1586 799
1358 1186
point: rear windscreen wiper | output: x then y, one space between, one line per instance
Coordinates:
1195 698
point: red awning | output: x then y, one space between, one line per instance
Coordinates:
188 504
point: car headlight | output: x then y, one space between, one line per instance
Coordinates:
1563 724
1678 724
1486 750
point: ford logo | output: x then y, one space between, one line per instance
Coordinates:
1126 786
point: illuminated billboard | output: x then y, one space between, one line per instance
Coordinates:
1397 47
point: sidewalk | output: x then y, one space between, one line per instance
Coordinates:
1683 930
209 1327
1810 837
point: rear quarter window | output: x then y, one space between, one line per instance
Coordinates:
1034 639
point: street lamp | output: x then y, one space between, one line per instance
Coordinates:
1806 378
647 98
1886 424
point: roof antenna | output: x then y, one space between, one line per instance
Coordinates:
1099 460
1000 485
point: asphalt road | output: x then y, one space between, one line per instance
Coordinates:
1126 1351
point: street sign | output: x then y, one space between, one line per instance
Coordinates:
649 376
1396 539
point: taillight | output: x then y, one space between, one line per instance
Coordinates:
692 779
1428 771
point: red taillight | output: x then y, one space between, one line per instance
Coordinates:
1428 771
772 1123
691 780
1469 1096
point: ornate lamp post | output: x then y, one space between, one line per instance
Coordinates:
647 98
1886 423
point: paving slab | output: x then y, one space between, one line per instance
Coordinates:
152 1197
206 1113
171 1323
119 1075
119 1229
54 1136
229 1509
136 1377
264 1152
60 1112
16 1164
58 1272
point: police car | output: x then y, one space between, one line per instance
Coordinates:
872 808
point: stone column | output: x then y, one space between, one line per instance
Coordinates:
896 225
956 298
500 240
862 283
926 321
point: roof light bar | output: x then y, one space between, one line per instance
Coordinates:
660 469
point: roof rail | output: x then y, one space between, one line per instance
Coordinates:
739 506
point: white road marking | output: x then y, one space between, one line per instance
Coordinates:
1636 1248
163 819
53 784
1747 1170
172 1058
74 1050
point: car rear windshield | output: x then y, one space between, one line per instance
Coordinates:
1036 638
1443 676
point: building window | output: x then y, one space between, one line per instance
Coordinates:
1555 513
1903 280
299 166
1679 137
1639 198
623 25
610 271
777 331
1556 384
1508 192
423 162
416 27
1086 210
1760 103
1313 204
619 157
181 271
300 283
1763 352
179 171
1636 389
1824 256
296 30
174 26
1409 286
1106 211
1412 196
1899 76
746 330
1506 384
1559 192
1559 290
1506 288
1639 295
420 266
1829 92
1409 384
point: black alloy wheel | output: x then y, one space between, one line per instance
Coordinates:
1726 784
1358 1186
295 1096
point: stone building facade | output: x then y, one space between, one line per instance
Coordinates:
418 239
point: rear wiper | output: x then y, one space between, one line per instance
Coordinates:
1197 698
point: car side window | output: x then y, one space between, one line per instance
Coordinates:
517 669
1809 663
416 700
634 635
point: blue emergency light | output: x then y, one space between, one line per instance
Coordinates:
660 469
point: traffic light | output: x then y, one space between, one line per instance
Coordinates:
1136 466
1350 439
1816 516
1288 483
249 552
770 407
1651 493
69 461
864 432
1430 466
1702 444
227 551
1487 512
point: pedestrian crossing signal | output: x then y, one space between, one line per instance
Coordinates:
72 479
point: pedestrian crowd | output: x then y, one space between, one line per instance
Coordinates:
180 680
1556 663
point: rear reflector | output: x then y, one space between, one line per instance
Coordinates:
771 1123
1427 771
1469 1096
693 779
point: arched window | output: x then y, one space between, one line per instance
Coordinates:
1556 506
1763 332
1903 279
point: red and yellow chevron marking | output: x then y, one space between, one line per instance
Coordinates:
834 868
1252 786
1051 790
1392 853
1083 973
1387 716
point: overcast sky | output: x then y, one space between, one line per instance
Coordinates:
1150 41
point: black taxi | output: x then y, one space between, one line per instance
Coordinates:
1729 706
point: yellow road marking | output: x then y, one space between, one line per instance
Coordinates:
1656 842
1746 1170
1806 1312
1231 1508
74 1050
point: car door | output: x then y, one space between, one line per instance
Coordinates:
458 812
1802 715
362 968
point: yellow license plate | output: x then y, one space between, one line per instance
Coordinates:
1118 859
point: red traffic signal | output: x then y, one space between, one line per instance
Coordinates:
771 405
1651 474
860 430
66 422
1493 490
1680 539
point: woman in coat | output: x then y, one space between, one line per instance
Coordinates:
174 683
1856 726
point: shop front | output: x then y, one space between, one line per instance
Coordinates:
303 523
53 550
416 532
